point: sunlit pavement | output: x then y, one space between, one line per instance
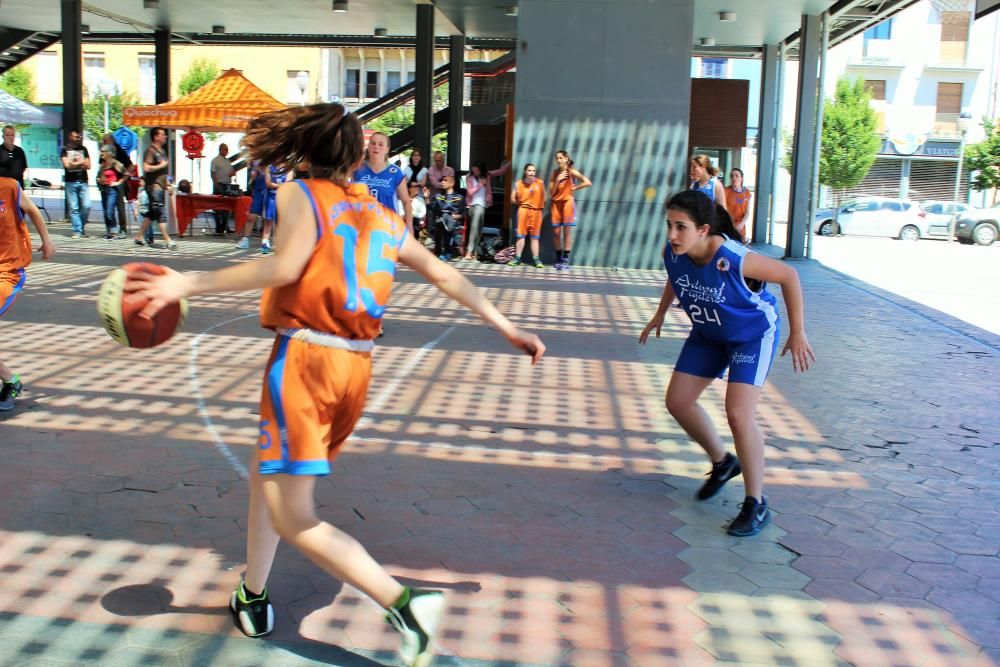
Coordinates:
554 505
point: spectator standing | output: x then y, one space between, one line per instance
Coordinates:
154 176
222 175
123 157
738 201
109 179
478 198
76 162
415 169
437 172
12 156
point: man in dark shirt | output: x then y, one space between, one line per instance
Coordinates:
76 162
13 157
154 176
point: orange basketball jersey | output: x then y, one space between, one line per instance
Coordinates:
564 188
345 286
531 196
15 242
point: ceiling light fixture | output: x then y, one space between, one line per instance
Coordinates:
707 41
150 4
219 29
340 6
511 11
727 16
381 32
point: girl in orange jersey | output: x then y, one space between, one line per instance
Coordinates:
529 198
326 288
564 182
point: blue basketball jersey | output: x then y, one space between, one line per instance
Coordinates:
382 185
259 184
716 297
708 189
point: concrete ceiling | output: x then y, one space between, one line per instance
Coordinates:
757 23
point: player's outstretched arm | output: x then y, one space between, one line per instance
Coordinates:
29 207
661 312
283 267
454 284
773 271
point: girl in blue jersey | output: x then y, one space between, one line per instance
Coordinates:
386 182
273 178
722 286
258 188
703 179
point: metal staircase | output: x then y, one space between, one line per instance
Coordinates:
17 45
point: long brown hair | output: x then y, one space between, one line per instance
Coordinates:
324 135
705 162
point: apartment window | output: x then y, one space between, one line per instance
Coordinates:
881 31
93 69
410 76
954 26
876 88
392 81
371 84
147 78
352 83
949 98
713 68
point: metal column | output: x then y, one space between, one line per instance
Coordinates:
818 141
804 150
423 112
161 40
767 143
456 100
72 65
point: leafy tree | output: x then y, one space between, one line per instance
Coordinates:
93 113
983 160
20 83
850 140
202 71
402 117
788 143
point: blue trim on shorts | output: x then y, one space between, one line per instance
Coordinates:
275 378
531 236
13 295
312 200
321 467
563 224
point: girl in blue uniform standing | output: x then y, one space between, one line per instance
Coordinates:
722 286
703 179
274 177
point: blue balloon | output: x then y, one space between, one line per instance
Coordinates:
126 138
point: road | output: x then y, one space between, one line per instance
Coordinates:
959 280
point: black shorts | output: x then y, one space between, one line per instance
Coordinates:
156 199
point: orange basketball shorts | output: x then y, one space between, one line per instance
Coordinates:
563 213
313 396
529 222
11 284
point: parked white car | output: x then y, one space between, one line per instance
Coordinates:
875 216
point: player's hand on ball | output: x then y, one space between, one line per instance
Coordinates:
159 289
529 343
802 354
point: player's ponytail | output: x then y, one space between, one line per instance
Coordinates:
323 135
705 162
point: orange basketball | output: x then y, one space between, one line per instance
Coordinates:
119 311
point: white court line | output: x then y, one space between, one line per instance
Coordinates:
217 440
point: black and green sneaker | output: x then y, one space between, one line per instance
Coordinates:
417 615
514 262
754 515
254 616
721 472
8 392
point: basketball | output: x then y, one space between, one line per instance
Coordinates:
119 311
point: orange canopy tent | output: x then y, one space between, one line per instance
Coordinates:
226 104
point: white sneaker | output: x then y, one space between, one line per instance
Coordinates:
243 243
418 622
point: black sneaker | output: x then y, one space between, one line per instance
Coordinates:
253 616
753 516
722 472
418 622
8 392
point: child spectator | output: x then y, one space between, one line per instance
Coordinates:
448 211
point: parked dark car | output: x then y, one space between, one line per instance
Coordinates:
979 225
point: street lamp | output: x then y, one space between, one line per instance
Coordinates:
302 78
106 88
964 123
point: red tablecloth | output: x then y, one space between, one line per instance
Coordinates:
188 206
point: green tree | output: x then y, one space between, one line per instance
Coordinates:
202 71
93 113
787 143
983 160
20 83
850 141
402 117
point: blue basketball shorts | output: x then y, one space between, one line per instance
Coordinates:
748 363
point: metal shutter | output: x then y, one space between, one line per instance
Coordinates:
935 179
882 180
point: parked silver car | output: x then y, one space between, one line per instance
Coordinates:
875 216
940 215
